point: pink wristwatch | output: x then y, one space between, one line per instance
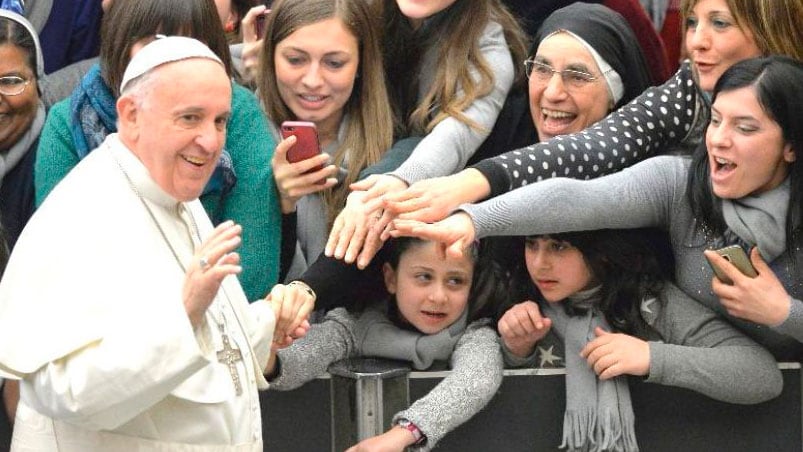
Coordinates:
412 428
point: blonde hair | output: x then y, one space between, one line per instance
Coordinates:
369 131
454 87
774 24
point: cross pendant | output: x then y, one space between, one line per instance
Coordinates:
230 355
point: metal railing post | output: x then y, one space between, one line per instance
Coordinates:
366 393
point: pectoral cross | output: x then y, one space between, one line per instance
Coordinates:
229 356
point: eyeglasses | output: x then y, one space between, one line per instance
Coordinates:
12 85
542 73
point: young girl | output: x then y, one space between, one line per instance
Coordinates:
605 309
437 311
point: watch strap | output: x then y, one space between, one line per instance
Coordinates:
418 435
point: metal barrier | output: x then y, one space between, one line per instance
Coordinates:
527 415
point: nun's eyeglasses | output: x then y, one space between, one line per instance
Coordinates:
542 73
12 85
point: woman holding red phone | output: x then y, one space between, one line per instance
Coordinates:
321 63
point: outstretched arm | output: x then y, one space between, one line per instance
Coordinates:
654 122
703 352
310 356
476 375
641 196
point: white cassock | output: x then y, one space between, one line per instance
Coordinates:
92 321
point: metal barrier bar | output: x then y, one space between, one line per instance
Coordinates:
366 393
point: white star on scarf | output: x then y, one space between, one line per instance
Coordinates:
645 305
547 357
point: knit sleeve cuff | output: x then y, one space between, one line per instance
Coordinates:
496 175
657 362
793 325
512 360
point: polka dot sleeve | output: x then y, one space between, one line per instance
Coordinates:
659 119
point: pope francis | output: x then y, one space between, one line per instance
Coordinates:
120 310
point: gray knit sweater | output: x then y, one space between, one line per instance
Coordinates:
476 374
651 193
447 148
696 350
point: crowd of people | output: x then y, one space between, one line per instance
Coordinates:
494 182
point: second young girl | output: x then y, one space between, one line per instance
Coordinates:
604 309
437 313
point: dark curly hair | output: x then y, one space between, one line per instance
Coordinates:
630 264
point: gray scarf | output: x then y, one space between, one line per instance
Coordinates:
13 155
599 415
377 336
759 221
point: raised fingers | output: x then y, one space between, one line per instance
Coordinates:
225 238
248 23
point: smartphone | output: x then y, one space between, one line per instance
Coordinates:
306 142
259 22
259 25
736 256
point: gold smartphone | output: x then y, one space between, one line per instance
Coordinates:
736 256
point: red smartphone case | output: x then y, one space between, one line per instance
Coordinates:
306 140
306 145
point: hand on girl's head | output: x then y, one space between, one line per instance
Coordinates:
426 200
352 235
614 354
455 233
360 229
522 326
762 299
377 186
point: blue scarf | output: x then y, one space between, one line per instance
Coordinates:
93 116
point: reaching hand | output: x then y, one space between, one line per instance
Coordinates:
356 232
762 299
455 233
292 179
522 326
377 186
394 440
434 199
214 259
614 354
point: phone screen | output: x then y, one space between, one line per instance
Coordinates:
259 25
